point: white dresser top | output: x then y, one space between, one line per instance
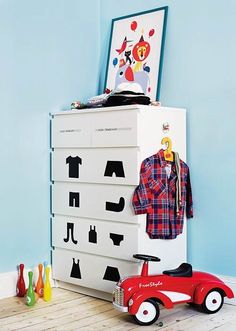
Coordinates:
117 108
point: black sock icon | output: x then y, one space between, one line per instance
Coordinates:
116 207
75 271
70 230
115 167
74 200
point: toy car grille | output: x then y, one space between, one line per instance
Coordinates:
118 296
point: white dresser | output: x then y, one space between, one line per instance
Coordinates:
96 158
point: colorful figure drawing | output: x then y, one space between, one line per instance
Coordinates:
123 46
132 63
140 52
126 73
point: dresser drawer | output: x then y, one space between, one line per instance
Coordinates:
104 129
95 236
92 271
108 202
96 165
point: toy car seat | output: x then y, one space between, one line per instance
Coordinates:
184 270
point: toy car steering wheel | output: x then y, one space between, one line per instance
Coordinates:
146 257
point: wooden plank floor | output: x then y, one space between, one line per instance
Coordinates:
73 311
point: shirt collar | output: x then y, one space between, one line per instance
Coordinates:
163 162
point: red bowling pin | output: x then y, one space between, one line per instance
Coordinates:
20 287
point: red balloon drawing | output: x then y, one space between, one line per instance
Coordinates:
133 25
151 32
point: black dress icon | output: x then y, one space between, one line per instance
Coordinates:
112 274
73 166
115 167
92 235
116 207
74 199
70 232
75 271
116 238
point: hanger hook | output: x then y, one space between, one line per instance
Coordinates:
167 141
168 152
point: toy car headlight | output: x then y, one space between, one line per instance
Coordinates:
131 301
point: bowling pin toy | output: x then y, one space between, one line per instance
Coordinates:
44 271
20 287
39 286
30 295
47 293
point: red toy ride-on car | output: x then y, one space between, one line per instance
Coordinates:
141 295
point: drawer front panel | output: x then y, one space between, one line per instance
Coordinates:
71 131
92 271
108 202
96 165
112 239
109 129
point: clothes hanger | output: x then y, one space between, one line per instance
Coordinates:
168 154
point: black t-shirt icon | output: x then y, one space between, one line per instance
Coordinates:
74 166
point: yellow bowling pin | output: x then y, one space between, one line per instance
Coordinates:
47 293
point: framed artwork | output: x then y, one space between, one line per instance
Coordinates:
136 52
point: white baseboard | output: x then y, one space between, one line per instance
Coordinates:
8 282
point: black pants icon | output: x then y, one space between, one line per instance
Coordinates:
70 231
112 274
115 167
75 271
74 199
116 207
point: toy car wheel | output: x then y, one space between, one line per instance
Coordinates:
148 312
213 302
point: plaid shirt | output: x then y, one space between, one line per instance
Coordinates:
156 196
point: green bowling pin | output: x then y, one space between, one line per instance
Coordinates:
30 295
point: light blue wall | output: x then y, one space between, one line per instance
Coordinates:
49 58
199 74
